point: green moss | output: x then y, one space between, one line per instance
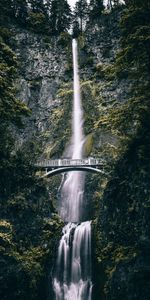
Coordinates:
27 264
61 123
105 71
88 145
81 41
64 40
5 226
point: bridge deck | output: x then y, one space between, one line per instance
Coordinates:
57 163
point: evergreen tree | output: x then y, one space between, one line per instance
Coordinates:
20 10
75 29
137 4
47 4
81 13
114 3
14 9
60 16
96 8
5 10
37 6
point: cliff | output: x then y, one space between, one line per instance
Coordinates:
117 202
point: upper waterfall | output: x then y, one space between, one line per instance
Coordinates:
77 128
73 186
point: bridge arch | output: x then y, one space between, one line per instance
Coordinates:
70 169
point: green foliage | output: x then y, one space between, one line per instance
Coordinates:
80 13
64 39
115 4
88 144
60 16
24 267
135 26
127 195
105 71
122 231
88 97
61 119
48 17
11 109
14 10
138 3
96 8
28 230
11 112
37 22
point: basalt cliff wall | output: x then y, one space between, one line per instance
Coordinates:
117 201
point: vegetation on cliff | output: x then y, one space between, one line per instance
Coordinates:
122 231
29 227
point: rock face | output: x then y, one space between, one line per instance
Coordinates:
122 231
45 65
41 72
45 68
45 84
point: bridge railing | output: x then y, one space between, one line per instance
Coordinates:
55 163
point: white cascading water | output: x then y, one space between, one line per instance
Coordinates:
72 279
73 187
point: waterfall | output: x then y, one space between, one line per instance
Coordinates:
73 187
72 279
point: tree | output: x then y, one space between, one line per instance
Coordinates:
38 16
5 10
75 29
81 13
60 16
137 3
37 6
114 3
16 9
20 10
96 8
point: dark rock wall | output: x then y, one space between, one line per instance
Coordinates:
115 201
42 64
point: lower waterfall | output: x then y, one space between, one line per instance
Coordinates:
73 270
72 279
